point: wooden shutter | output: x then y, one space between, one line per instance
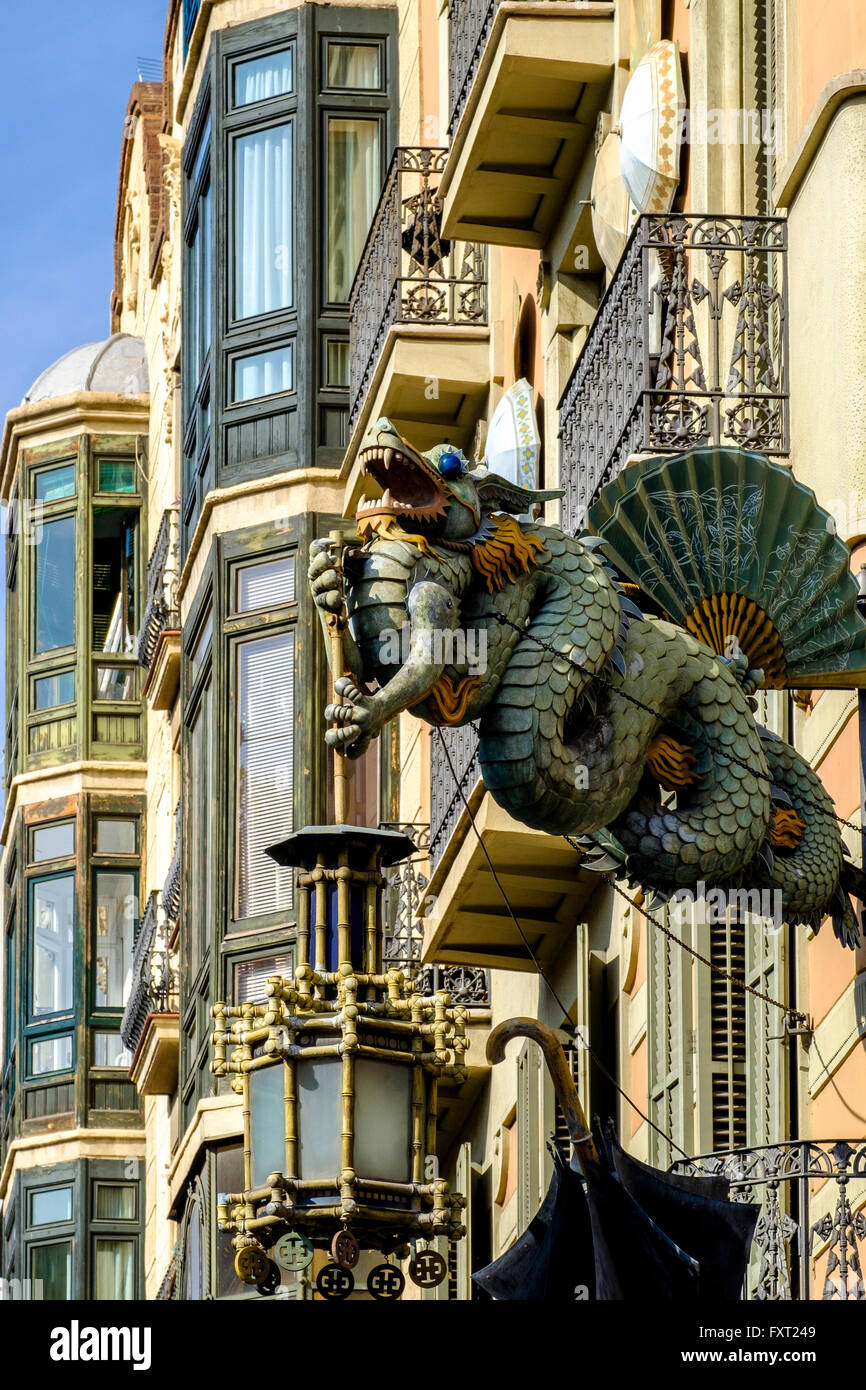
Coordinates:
265 697
766 1050
721 1035
462 1249
528 1135
670 1039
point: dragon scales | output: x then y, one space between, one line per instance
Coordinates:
596 719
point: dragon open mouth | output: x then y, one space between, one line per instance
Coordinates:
409 491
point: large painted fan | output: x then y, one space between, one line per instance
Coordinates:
650 129
734 549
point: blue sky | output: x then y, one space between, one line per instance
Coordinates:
66 82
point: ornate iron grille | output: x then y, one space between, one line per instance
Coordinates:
408 273
172 886
404 934
154 974
689 347
163 571
786 1179
469 26
446 801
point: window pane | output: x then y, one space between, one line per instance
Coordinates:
9 990
115 934
354 65
116 683
261 586
51 1054
250 976
55 585
353 192
116 475
262 374
115 1201
205 234
263 78
263 221
51 934
264 770
53 483
338 363
114 1268
53 841
58 689
115 836
52 1204
114 581
52 1264
109 1051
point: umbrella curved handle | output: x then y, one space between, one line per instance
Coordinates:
554 1056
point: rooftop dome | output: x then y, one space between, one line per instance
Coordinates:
117 364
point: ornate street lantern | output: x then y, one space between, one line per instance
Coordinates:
339 1070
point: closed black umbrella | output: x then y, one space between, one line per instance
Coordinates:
613 1226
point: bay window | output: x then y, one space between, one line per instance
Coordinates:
283 168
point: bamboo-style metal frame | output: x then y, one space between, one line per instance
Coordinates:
346 1014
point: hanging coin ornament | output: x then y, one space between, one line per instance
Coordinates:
427 1269
271 1282
294 1252
385 1282
334 1282
251 1264
345 1249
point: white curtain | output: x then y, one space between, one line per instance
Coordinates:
115 1269
263 78
263 221
263 374
353 192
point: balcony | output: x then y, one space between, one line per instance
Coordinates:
150 1021
405 894
526 83
469 923
811 1234
689 347
159 642
417 315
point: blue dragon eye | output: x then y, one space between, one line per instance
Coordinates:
450 465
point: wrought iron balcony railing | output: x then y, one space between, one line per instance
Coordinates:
404 939
447 788
689 347
796 1255
163 570
408 274
154 974
469 26
172 887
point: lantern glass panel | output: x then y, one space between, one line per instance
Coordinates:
267 1122
320 1083
383 1120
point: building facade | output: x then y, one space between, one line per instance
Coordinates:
166 676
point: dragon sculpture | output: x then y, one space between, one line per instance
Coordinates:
597 719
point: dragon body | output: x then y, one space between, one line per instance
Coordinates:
595 720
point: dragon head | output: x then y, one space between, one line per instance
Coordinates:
437 495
